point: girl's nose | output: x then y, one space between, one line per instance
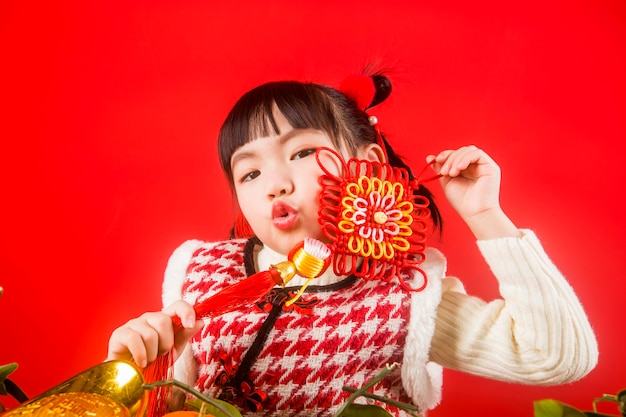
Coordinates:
281 192
280 184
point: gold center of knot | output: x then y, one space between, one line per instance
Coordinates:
380 217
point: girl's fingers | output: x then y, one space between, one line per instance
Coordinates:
460 160
152 334
437 161
158 335
128 344
453 162
143 338
190 324
184 311
181 338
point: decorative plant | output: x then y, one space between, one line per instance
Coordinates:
553 408
349 409
8 387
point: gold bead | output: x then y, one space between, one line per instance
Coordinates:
380 217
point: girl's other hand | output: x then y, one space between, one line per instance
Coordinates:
471 183
144 338
470 179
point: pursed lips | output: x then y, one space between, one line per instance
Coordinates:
283 215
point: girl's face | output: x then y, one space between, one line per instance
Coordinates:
276 183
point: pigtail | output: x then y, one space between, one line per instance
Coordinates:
382 87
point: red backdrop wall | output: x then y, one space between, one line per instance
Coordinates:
108 124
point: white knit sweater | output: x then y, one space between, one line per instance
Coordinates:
538 333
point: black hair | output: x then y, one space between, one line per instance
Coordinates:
309 106
304 106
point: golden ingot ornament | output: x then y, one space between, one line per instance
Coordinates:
110 389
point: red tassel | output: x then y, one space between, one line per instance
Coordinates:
242 227
158 398
243 293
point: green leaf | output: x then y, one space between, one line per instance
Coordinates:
5 371
553 408
364 410
196 404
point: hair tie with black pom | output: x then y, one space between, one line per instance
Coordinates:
360 89
366 91
382 85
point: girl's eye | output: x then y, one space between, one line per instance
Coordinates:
250 176
303 153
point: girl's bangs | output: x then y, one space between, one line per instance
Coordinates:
304 106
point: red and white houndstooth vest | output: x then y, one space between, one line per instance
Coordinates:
355 329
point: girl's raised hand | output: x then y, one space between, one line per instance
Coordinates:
144 338
470 179
471 183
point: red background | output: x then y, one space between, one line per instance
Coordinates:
108 124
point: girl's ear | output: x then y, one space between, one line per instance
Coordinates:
373 152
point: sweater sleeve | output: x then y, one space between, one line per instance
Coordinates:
538 333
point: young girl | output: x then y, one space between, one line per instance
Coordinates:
293 361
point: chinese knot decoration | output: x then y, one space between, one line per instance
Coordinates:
371 214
